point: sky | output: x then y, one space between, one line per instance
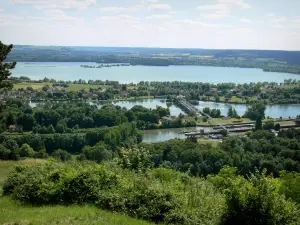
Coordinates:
210 24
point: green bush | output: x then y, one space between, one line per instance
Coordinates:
157 195
256 200
26 151
98 153
61 155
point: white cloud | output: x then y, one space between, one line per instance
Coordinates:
195 22
159 17
10 20
296 19
117 9
279 19
120 18
217 7
222 8
244 20
270 14
242 30
1 10
240 3
291 34
52 4
59 15
216 15
278 26
159 7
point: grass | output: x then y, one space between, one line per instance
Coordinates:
287 123
78 87
35 86
72 87
13 212
233 99
243 120
214 143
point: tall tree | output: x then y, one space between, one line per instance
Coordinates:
5 67
255 111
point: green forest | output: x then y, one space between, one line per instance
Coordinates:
76 158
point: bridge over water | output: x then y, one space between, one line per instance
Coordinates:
189 107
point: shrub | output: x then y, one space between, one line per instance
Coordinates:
158 195
61 155
26 151
97 153
254 201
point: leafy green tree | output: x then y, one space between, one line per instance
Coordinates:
61 127
138 159
290 183
61 155
232 112
26 120
5 67
97 153
26 151
41 154
256 110
256 200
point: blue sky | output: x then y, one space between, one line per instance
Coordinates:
234 24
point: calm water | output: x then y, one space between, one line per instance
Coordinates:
153 136
274 111
73 71
151 104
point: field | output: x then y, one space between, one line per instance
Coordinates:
13 212
234 99
35 86
72 87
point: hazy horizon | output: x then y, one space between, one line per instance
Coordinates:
154 47
192 24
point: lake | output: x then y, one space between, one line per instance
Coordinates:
128 74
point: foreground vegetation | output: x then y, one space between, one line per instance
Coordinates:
14 212
157 195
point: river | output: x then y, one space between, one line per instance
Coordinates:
128 74
161 135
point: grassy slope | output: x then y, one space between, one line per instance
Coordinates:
13 212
